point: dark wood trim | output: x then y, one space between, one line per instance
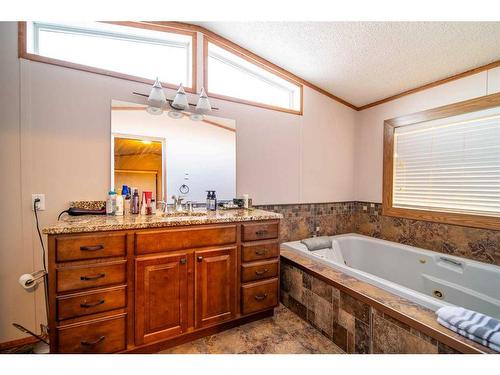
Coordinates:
23 53
432 84
476 221
18 343
248 56
461 346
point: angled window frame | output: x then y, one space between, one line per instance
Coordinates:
470 220
172 29
255 60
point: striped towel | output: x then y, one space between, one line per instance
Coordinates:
473 325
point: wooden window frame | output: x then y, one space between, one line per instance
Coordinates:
469 220
254 59
177 29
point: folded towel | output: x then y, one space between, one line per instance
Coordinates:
317 243
473 325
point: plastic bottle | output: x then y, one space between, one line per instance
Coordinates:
111 203
119 204
126 199
134 208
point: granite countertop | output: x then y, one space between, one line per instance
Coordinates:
97 223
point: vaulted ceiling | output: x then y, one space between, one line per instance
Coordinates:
362 62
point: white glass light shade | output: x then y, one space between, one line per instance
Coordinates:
203 105
180 101
157 96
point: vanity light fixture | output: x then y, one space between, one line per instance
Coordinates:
179 105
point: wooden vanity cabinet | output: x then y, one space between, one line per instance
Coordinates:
147 289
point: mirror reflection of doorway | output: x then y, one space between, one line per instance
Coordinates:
138 164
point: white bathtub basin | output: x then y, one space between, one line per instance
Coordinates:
428 278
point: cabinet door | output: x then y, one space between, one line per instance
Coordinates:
161 297
215 289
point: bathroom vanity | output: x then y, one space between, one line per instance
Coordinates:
145 283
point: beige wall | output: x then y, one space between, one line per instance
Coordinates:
370 123
55 139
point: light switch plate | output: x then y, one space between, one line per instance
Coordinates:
41 204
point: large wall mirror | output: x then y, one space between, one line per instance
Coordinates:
172 156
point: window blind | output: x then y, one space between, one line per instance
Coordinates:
449 165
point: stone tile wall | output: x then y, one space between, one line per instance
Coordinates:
352 325
302 221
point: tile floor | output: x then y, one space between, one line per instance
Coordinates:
284 333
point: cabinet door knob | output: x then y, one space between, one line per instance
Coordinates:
200 258
183 261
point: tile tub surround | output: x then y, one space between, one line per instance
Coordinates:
301 220
97 223
361 318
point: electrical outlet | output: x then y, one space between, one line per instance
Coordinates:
40 206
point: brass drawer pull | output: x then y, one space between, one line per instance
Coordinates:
183 261
261 232
87 305
91 343
89 278
92 248
261 272
261 252
260 297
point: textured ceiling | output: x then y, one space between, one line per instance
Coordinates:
363 62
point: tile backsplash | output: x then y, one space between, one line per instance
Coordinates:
305 220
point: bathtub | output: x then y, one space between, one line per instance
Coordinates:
425 277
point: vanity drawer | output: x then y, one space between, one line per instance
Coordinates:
90 277
259 250
90 247
98 336
259 295
259 270
187 238
81 304
259 231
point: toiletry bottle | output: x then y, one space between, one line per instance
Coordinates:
148 195
126 200
214 201
209 197
119 204
153 206
245 200
143 204
135 202
111 203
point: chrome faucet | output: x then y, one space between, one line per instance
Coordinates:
177 203
163 206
